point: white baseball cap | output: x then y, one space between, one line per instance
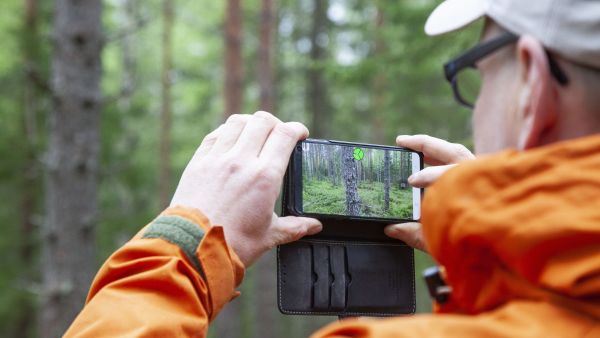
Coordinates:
570 28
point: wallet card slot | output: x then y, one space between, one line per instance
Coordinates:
321 277
294 275
337 265
380 276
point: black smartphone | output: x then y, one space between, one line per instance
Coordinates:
342 180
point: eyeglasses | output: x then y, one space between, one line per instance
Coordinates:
465 79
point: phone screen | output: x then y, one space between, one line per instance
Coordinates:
360 181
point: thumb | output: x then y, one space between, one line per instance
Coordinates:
409 233
290 228
428 176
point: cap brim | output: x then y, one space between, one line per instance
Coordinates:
451 15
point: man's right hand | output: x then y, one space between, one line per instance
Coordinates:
440 155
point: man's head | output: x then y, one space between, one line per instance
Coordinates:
541 87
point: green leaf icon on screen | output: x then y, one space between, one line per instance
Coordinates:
358 154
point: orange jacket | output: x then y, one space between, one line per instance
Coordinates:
517 233
170 280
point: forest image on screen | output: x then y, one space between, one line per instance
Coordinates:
356 181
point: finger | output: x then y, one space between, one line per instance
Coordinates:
409 233
291 228
255 133
436 151
428 176
280 143
208 142
230 133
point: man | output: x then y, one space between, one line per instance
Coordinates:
517 232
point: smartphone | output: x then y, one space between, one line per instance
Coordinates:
342 180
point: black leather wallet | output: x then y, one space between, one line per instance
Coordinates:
349 269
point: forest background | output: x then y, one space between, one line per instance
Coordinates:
102 103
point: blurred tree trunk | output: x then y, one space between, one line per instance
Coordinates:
349 172
30 125
72 164
265 294
165 107
265 55
379 81
128 58
317 98
265 279
234 70
229 322
25 321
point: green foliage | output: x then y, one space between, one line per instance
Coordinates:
371 194
322 197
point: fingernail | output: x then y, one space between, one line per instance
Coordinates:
412 178
393 231
313 231
401 137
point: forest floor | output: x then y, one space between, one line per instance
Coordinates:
322 197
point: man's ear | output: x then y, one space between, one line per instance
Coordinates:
537 106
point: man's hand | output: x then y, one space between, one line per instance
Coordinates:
440 155
235 177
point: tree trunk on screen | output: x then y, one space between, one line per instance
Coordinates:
331 166
308 158
234 71
72 162
165 109
405 169
320 162
25 320
386 180
228 324
370 157
349 172
317 99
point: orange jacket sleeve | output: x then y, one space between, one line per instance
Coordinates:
171 279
